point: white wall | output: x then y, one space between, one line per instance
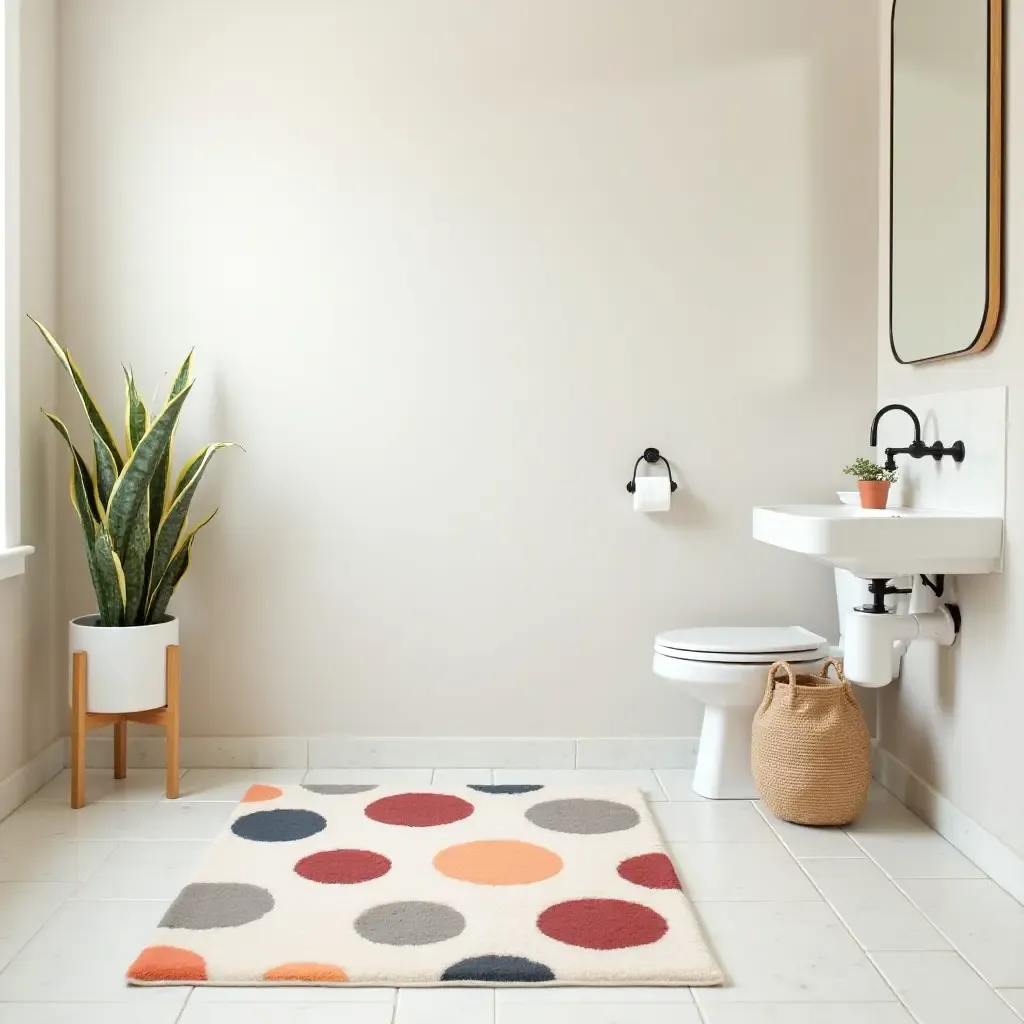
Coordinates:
30 701
449 268
959 729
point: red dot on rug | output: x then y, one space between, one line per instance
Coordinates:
651 870
602 924
419 810
343 867
167 963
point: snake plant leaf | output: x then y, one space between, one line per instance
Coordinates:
173 522
136 416
176 568
83 500
162 475
110 587
196 466
108 459
132 486
84 496
184 375
135 558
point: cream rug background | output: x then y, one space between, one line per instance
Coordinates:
486 885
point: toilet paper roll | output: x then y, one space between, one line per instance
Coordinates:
652 494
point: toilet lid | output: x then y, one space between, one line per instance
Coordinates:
742 643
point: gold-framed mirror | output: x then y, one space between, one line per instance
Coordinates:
946 177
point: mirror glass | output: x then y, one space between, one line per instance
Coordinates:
946 177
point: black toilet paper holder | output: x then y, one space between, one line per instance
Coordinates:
653 456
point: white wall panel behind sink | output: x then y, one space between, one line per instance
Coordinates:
976 485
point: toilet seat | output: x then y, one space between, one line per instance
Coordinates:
742 645
725 668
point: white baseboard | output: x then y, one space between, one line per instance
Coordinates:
21 784
992 855
637 752
201 752
441 752
402 752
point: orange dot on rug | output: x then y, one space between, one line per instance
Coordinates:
167 963
306 972
254 794
498 862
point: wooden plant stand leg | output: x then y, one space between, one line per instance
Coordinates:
79 728
82 721
172 721
120 749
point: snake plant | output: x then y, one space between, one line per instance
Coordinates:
134 523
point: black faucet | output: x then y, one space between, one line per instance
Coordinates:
917 449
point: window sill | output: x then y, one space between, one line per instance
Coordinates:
12 560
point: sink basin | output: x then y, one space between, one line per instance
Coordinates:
886 542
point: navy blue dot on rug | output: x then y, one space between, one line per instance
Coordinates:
510 788
498 968
284 825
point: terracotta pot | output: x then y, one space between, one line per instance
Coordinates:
873 493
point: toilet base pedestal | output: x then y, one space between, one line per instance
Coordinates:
723 757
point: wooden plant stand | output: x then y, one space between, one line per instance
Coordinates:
82 722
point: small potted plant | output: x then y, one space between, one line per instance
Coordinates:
137 542
873 482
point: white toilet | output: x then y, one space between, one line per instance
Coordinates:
725 668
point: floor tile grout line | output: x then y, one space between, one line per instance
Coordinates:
954 951
1013 1009
21 949
661 789
895 882
857 942
899 888
700 1013
184 1005
953 947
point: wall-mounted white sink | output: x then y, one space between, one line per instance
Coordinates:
885 543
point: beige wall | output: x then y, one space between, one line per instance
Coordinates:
961 730
449 269
30 701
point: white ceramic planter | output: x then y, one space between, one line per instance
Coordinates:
127 666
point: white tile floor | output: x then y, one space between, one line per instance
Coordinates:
883 923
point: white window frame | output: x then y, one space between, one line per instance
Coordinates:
12 551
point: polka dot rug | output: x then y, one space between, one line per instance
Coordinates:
476 885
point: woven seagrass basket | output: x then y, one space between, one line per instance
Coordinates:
810 750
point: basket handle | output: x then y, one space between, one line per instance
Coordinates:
837 665
772 672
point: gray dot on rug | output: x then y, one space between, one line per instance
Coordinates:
203 905
410 923
583 816
338 788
